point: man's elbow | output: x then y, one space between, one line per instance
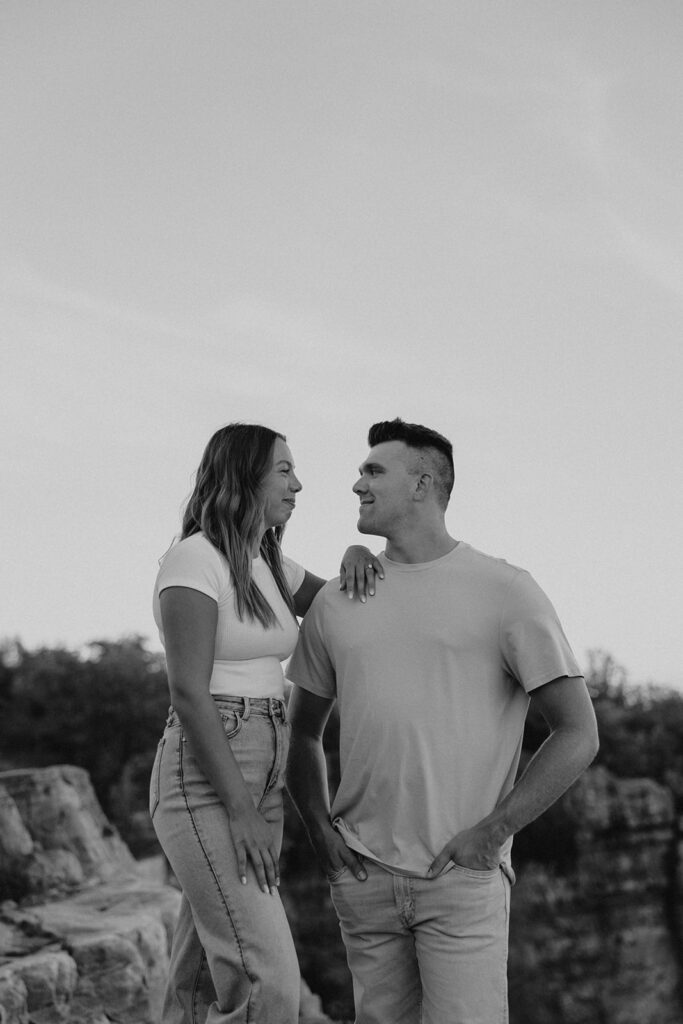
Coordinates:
582 743
590 743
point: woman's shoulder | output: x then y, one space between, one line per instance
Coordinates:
192 559
196 546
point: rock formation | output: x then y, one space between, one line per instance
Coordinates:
596 935
84 934
599 940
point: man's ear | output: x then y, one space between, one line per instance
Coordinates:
423 486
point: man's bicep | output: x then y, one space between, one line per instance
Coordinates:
308 712
565 703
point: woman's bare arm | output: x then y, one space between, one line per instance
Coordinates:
189 623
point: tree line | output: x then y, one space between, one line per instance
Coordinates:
104 707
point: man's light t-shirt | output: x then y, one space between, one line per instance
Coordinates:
432 677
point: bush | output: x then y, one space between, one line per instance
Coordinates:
98 709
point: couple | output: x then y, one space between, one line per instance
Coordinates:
433 677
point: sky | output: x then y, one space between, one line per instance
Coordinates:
319 215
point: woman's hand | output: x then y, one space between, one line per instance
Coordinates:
254 839
358 570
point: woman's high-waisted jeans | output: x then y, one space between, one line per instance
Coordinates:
233 959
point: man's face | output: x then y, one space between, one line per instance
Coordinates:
385 487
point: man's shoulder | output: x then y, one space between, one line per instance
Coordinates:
329 595
325 616
516 587
492 566
332 609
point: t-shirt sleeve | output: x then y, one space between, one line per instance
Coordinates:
196 565
294 573
534 646
310 666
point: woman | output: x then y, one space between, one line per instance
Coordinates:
225 603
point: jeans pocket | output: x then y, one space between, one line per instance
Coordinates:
155 779
232 722
475 872
334 876
508 872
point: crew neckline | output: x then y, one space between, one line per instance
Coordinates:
420 566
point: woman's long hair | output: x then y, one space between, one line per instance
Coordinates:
227 507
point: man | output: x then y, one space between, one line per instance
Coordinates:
433 678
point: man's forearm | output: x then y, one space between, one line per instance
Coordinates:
307 786
560 760
568 750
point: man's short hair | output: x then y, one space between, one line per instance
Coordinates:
436 449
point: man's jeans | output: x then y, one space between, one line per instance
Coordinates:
233 959
430 951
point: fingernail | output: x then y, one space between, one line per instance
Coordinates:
372 593
243 879
362 600
265 889
277 880
362 875
273 890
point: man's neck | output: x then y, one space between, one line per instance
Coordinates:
420 546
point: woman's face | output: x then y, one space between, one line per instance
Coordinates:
280 487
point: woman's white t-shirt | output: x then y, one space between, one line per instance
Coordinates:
247 654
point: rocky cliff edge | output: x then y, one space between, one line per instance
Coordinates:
84 934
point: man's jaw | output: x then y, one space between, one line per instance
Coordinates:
365 524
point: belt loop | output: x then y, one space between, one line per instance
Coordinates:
247 708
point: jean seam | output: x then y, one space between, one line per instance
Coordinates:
215 878
156 776
275 767
505 882
195 987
